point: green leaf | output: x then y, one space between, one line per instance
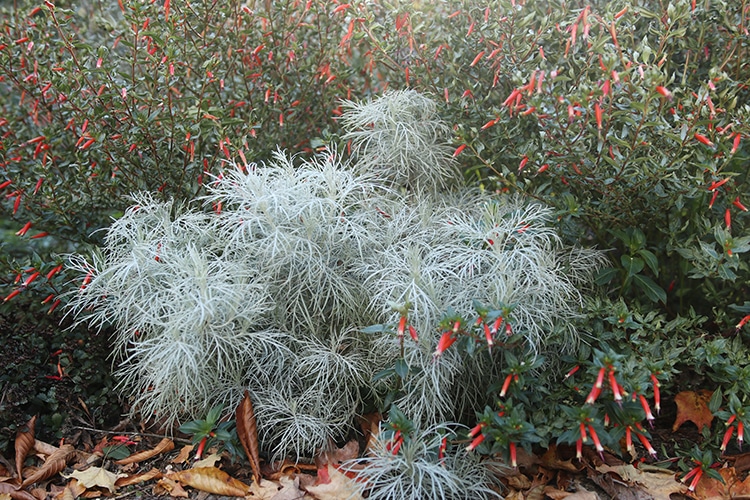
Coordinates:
633 265
650 260
716 400
116 452
654 292
401 368
604 276
383 374
373 329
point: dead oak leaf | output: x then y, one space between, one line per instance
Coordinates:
96 477
693 407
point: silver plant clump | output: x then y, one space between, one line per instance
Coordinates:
417 472
269 293
400 138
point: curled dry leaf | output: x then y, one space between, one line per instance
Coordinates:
211 480
138 478
24 443
164 446
53 465
247 431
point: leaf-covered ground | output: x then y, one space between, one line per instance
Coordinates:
73 450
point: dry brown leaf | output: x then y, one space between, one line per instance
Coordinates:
659 485
166 486
44 448
53 465
138 478
339 486
247 431
164 446
5 496
211 480
96 477
555 493
265 490
289 489
72 490
39 493
693 407
24 443
709 488
184 454
209 461
337 456
9 489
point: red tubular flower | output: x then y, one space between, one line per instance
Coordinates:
737 203
401 327
24 229
736 142
12 294
727 437
595 391
646 409
488 337
582 429
506 385
476 442
742 322
664 91
629 438
579 449
512 451
657 396
703 139
713 199
446 340
458 150
650 449
600 378
597 443
489 124
477 59
413 333
523 163
728 218
695 480
572 371
31 278
615 387
598 115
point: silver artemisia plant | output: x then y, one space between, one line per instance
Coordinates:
269 293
